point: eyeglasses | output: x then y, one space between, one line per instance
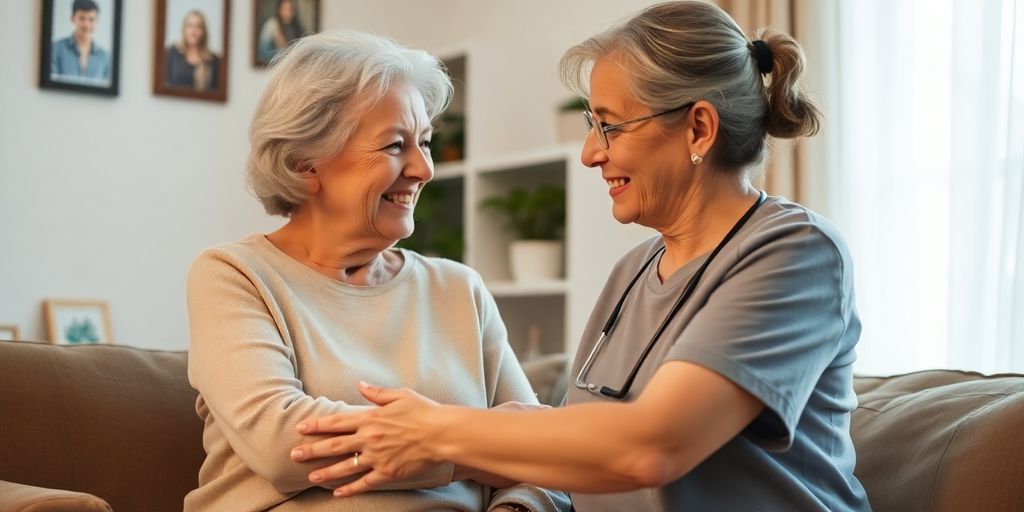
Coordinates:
603 129
619 394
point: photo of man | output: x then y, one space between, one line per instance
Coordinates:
78 57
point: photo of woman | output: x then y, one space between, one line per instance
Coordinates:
192 42
278 23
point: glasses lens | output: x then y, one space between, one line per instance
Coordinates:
602 137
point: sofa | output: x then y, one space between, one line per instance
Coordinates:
105 427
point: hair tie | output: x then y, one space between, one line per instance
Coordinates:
762 55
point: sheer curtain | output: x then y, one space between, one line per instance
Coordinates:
929 188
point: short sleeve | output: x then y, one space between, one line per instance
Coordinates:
773 324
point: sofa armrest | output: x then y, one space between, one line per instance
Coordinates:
26 498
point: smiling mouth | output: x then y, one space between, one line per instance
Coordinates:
617 182
401 198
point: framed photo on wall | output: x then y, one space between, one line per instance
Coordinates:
77 322
9 332
277 23
80 46
191 49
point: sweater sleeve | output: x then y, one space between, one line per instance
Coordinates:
506 382
246 375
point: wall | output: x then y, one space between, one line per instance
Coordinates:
113 197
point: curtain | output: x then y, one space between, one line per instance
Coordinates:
799 169
929 186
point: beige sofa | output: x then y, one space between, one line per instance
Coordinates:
110 427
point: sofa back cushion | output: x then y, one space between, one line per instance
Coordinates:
113 421
941 440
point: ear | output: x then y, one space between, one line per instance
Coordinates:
310 177
703 128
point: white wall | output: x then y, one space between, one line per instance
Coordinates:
112 197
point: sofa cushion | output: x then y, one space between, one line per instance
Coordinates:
26 498
113 421
941 440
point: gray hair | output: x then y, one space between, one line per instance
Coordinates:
318 88
678 52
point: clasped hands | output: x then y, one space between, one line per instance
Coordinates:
396 441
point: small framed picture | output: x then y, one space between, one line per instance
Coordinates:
77 322
9 332
191 49
80 46
276 23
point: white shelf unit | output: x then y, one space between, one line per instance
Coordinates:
554 312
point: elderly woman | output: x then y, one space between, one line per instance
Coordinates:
715 371
284 325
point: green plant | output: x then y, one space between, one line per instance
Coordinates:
573 104
435 234
537 214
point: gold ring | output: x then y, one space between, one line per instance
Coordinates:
355 460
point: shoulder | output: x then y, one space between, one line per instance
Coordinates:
241 257
784 223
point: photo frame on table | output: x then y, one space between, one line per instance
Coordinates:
190 49
278 23
77 322
9 332
80 46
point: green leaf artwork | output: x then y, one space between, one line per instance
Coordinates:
81 330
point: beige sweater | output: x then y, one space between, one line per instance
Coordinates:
274 342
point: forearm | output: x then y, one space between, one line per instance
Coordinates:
586 448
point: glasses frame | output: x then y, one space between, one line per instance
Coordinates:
602 133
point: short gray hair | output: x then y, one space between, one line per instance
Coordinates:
318 88
684 51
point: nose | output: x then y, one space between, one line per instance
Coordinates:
420 165
593 154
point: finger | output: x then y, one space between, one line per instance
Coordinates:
331 447
340 423
381 396
339 470
368 482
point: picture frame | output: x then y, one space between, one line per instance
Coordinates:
277 23
191 50
9 332
77 322
63 27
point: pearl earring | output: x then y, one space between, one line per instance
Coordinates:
696 159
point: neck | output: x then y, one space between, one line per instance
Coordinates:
328 250
708 211
82 41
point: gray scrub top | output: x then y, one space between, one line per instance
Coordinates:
774 312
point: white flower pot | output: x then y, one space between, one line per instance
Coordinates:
536 260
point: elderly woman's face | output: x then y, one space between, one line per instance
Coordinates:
645 163
371 187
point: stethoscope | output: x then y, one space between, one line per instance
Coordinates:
614 317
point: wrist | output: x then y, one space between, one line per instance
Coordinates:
443 422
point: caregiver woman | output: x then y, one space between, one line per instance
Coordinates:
715 371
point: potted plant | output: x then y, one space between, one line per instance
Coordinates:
537 220
569 125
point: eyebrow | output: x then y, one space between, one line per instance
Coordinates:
395 129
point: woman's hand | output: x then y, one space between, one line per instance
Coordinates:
390 443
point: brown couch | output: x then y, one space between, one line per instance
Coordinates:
110 427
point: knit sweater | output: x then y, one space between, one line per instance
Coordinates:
274 342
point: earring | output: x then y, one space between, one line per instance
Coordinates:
696 159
